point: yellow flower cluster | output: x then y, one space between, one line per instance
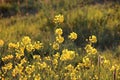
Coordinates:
8 57
72 36
90 50
38 45
17 70
79 66
13 45
43 65
58 19
29 47
26 40
59 37
37 77
86 61
47 58
29 69
55 62
93 39
23 61
115 67
55 46
19 55
37 57
56 56
1 42
69 67
104 61
72 72
58 31
66 63
23 78
25 43
7 66
67 55
91 53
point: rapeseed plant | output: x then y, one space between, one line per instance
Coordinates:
26 40
26 63
58 19
59 39
67 55
58 31
93 39
55 46
72 36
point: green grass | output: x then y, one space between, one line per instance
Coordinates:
84 18
101 20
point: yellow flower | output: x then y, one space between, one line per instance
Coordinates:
47 58
14 72
17 70
58 31
72 36
86 61
93 39
30 47
56 56
114 67
55 46
37 45
88 47
55 62
69 67
67 55
29 69
59 39
37 77
106 62
90 50
37 57
8 57
58 19
13 45
23 78
73 76
94 51
23 61
43 65
79 66
1 42
26 40
7 66
19 55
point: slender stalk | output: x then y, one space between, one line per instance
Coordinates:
114 75
99 68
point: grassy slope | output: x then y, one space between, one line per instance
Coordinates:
99 19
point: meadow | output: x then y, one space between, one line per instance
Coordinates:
60 40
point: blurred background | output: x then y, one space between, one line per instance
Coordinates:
34 18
